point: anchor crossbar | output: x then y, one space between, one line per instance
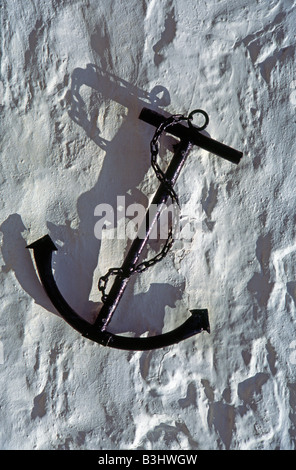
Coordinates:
193 135
44 248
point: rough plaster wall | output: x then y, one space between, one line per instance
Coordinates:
74 77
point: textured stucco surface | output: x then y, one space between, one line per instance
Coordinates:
74 77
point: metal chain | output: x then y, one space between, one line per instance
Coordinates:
154 149
102 284
140 268
154 145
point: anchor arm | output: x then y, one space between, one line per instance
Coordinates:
43 249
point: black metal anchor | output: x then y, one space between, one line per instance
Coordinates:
43 248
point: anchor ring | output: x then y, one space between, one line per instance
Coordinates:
200 111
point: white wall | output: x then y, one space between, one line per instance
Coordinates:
74 77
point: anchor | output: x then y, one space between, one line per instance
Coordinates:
188 135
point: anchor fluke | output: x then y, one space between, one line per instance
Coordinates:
43 244
201 319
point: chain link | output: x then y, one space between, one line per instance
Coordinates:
154 150
140 268
103 281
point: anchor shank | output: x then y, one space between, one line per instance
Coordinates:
131 259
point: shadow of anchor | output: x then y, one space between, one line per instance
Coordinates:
111 88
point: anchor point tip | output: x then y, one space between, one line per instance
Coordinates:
202 317
43 242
